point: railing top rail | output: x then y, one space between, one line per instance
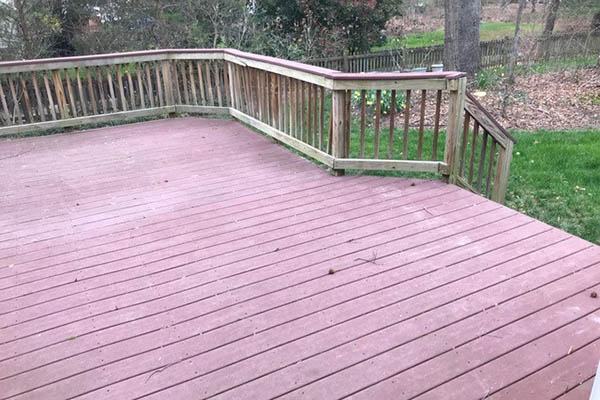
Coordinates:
68 62
474 107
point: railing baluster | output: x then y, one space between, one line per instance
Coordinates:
192 83
482 160
463 148
38 96
209 86
406 125
226 83
130 88
101 91
421 125
490 167
436 126
140 84
321 116
149 85
392 114
121 89
82 100
217 72
111 89
473 150
377 123
201 83
314 116
26 98
186 92
6 115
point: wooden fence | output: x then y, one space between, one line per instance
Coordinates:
320 112
493 53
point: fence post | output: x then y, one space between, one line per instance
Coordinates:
345 61
456 110
338 125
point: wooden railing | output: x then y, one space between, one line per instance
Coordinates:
493 53
336 118
485 153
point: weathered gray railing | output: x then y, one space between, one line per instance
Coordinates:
306 107
558 46
493 52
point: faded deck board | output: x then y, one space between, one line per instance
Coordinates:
192 258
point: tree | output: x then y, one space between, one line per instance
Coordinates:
26 28
462 51
551 15
515 49
308 28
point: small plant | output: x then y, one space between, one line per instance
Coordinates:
487 78
386 100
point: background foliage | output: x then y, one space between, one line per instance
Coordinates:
293 29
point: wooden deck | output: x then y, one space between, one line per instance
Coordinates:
194 258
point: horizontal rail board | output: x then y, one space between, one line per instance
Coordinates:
206 110
401 84
389 165
78 121
474 108
282 137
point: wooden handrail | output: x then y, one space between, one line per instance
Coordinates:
304 106
487 121
166 54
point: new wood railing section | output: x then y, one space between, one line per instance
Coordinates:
383 121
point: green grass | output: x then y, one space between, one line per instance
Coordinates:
555 177
487 31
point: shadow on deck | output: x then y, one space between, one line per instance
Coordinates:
193 258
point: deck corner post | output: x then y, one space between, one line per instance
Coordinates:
502 173
338 136
456 107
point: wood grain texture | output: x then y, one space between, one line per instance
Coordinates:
270 278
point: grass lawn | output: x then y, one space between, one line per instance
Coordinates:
555 177
488 31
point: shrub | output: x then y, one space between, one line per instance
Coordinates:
386 100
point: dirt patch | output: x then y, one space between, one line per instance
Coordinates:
555 101
433 18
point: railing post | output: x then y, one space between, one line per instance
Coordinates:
502 172
456 110
168 82
338 136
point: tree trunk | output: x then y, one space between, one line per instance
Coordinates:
595 28
548 28
24 30
462 51
551 18
451 49
515 50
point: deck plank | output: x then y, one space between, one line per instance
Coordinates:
191 258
